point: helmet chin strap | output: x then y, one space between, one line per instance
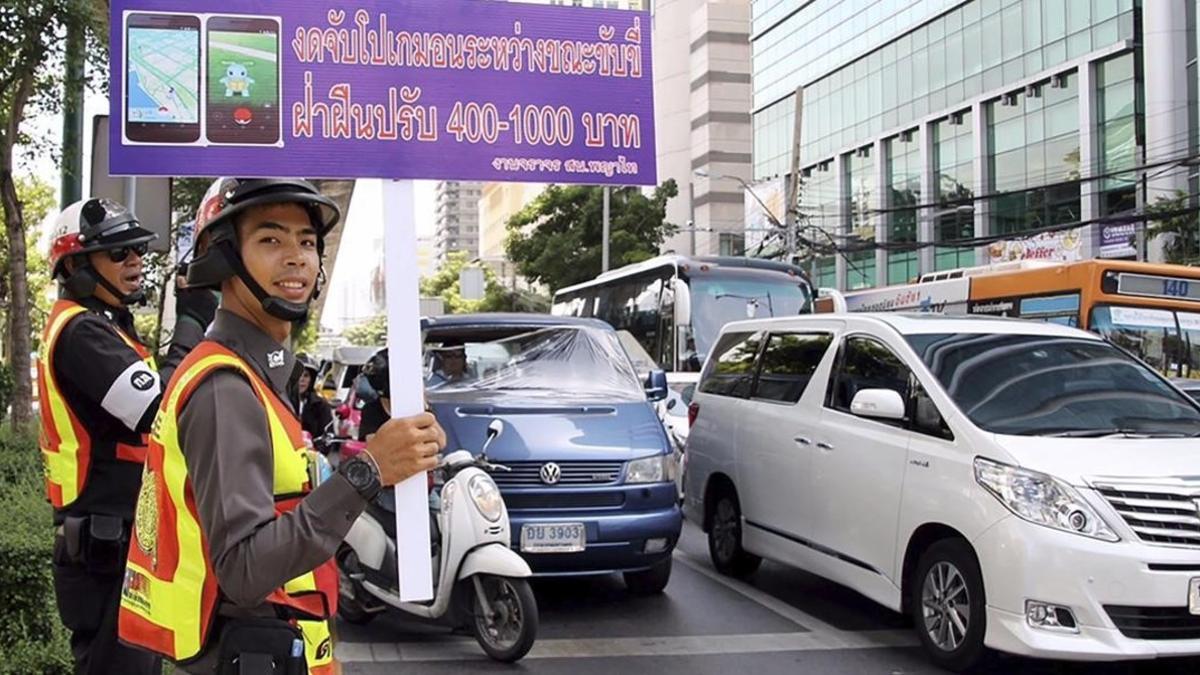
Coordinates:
276 307
82 284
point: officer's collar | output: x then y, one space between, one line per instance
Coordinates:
118 315
272 360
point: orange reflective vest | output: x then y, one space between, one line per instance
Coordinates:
170 594
67 447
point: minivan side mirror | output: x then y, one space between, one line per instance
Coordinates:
883 404
656 385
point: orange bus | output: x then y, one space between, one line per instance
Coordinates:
1151 310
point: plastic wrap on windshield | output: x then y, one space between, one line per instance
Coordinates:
573 364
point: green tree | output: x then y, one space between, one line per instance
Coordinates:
304 337
444 284
371 332
32 47
1172 220
556 240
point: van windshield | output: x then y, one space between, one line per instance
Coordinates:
1054 386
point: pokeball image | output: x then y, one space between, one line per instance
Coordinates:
243 116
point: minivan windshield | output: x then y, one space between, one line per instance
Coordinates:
1054 386
576 364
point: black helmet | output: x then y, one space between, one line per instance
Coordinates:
227 198
376 372
309 364
93 225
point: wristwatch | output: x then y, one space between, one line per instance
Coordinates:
363 476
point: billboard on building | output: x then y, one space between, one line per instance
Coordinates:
758 221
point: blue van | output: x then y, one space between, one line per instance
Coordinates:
591 488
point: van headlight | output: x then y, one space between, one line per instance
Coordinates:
487 497
656 469
1042 499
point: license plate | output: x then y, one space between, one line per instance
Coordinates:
553 538
1194 597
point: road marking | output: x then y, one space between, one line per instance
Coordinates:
458 649
818 635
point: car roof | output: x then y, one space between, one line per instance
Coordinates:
506 320
913 323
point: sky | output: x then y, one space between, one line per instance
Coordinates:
349 289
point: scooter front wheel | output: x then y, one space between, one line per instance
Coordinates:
505 619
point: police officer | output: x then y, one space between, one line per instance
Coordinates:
231 558
98 392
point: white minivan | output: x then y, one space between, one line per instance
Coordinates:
1022 486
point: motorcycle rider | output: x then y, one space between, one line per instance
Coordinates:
98 391
231 561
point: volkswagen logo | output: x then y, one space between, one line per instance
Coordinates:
550 473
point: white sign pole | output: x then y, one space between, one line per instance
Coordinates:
408 396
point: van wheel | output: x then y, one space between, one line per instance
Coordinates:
948 605
725 539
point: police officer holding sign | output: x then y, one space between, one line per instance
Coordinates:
230 569
98 392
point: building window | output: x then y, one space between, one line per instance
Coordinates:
1033 153
904 194
731 243
1119 119
954 182
819 216
861 217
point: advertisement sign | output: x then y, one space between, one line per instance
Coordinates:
445 89
1052 246
773 194
1118 240
948 296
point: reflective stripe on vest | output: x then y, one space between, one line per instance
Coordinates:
66 445
170 593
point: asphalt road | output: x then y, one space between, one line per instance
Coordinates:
782 621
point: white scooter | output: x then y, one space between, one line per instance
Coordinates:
478 580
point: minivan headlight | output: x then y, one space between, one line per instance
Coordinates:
1042 499
656 469
486 496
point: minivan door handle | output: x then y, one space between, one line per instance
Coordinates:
824 446
802 440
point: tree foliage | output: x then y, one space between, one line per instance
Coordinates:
1177 226
32 48
556 240
370 333
444 284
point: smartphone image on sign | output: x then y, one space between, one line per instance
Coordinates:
162 78
243 97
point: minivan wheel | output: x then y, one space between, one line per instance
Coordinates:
948 606
725 539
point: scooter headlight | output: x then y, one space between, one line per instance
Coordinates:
487 497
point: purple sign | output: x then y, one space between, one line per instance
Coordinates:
431 89
1118 240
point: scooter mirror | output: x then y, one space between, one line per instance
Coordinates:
495 429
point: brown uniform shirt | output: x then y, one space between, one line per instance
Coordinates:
226 443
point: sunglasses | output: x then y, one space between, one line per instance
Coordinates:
119 255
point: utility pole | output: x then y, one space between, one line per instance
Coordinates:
71 186
604 235
792 193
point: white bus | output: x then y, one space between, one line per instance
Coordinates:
674 306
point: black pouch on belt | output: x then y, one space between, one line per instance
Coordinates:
262 646
105 545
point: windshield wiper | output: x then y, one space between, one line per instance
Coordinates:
1109 433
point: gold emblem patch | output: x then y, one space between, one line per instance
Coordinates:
146 520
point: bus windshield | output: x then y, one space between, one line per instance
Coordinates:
1169 341
717 300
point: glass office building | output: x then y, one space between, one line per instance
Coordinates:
943 121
